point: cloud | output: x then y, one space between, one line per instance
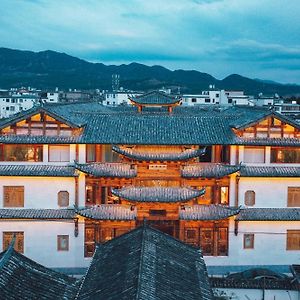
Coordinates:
215 36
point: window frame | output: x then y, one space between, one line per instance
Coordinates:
291 232
59 199
254 197
6 190
58 145
60 237
251 236
18 235
290 191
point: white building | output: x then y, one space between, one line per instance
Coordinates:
60 156
220 97
116 98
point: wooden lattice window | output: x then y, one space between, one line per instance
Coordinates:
13 196
248 241
89 241
19 242
62 243
293 197
63 198
293 240
249 198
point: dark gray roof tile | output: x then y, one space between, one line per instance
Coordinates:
208 170
159 156
33 213
269 214
155 98
207 212
108 169
158 194
109 212
22 278
267 171
37 170
146 264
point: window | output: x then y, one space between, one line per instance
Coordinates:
63 198
224 195
90 153
249 198
207 100
229 100
13 196
89 240
191 233
249 241
30 153
293 197
254 154
281 155
62 243
194 100
60 153
19 242
293 240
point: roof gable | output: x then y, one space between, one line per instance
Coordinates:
146 264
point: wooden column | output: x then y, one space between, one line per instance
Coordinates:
217 153
237 179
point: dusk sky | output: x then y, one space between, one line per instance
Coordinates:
254 38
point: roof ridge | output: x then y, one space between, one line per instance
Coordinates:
9 252
142 256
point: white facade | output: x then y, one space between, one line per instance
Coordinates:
51 97
220 97
13 104
118 98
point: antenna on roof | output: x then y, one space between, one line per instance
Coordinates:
115 82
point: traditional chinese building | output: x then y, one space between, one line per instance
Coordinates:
225 180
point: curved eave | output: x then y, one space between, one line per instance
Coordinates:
267 171
110 212
144 103
207 212
38 171
209 170
36 214
118 170
280 142
269 214
157 194
143 156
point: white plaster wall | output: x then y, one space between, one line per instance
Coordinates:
269 245
256 294
40 192
40 242
82 154
269 192
81 190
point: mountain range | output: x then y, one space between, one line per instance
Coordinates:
50 69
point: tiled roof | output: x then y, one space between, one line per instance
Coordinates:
209 125
22 278
108 169
38 139
293 142
266 171
37 170
108 212
208 170
158 129
33 213
146 264
296 272
158 156
158 194
207 212
155 98
261 284
269 214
